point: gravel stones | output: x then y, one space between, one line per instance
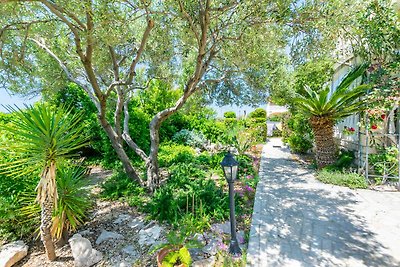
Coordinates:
150 235
106 235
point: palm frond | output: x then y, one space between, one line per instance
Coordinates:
343 102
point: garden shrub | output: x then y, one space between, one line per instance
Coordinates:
171 153
229 115
188 191
298 143
212 130
297 133
258 113
277 116
344 161
385 161
189 138
351 180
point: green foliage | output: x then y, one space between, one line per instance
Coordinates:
258 113
189 138
188 190
344 161
121 187
385 162
297 133
277 117
212 129
315 74
43 134
229 115
73 200
352 180
343 102
240 138
171 153
177 257
299 144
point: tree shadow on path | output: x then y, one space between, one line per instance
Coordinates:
302 222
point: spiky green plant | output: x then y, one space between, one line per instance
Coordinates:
44 135
73 200
325 109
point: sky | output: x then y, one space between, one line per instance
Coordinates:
7 99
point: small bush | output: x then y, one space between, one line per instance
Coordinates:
297 132
258 113
352 180
189 138
299 144
344 161
277 117
173 153
230 115
188 191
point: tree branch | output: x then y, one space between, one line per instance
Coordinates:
189 19
66 71
126 135
131 74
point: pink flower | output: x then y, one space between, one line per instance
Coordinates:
249 188
222 246
249 176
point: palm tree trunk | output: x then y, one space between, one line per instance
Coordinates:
326 150
45 226
47 197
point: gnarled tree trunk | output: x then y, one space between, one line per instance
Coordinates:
326 150
116 143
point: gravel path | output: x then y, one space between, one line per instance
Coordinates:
298 221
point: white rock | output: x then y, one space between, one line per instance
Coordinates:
150 235
82 251
122 218
204 263
12 253
106 235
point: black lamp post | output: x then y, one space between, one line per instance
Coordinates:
230 167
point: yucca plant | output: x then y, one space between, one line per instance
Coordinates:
325 109
73 200
44 135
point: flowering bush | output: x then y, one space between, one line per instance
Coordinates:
376 118
349 130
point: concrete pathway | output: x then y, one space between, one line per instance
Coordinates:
298 221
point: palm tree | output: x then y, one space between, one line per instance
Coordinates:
44 135
325 109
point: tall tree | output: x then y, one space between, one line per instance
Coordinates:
102 46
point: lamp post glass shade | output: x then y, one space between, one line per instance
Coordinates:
230 167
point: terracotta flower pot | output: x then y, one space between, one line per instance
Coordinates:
161 255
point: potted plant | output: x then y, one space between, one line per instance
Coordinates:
173 256
175 253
